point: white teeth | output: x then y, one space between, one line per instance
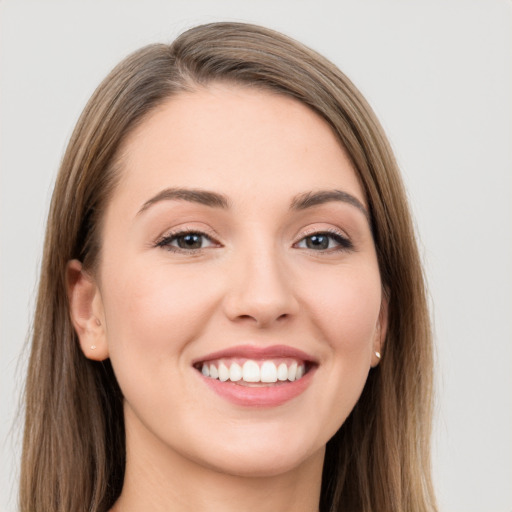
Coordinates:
268 372
292 372
214 373
235 372
282 372
223 372
251 371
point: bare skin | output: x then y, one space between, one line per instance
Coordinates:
211 242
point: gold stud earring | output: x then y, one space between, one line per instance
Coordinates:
377 354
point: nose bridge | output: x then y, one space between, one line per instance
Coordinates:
260 286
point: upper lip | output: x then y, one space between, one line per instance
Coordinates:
258 352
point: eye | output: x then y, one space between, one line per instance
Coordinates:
324 241
186 241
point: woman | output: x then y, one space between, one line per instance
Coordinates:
231 311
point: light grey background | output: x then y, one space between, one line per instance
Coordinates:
439 76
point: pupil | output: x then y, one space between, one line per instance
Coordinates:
317 242
191 241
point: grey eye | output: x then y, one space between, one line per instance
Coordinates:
190 241
324 242
317 242
186 241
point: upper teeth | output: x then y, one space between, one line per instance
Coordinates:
253 371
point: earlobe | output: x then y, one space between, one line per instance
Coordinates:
86 310
380 333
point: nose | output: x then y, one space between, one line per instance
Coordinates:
260 290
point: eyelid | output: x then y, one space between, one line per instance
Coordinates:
163 241
333 231
316 230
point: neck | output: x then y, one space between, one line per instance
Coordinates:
161 480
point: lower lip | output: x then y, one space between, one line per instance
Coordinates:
264 396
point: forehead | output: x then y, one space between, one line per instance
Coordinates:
239 141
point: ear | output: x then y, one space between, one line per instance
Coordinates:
87 314
380 332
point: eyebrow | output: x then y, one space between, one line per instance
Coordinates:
310 199
215 200
205 197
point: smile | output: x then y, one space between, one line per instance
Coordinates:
251 371
253 376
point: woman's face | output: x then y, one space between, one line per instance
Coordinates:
237 247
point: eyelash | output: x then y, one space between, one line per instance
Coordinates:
343 243
166 241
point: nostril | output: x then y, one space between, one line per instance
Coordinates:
262 319
264 296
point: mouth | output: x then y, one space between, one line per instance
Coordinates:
254 376
252 372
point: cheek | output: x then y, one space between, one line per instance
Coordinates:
345 311
152 314
346 307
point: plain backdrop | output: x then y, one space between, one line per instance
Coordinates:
439 76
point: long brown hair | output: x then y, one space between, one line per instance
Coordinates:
73 450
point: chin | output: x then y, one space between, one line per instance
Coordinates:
262 464
260 452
